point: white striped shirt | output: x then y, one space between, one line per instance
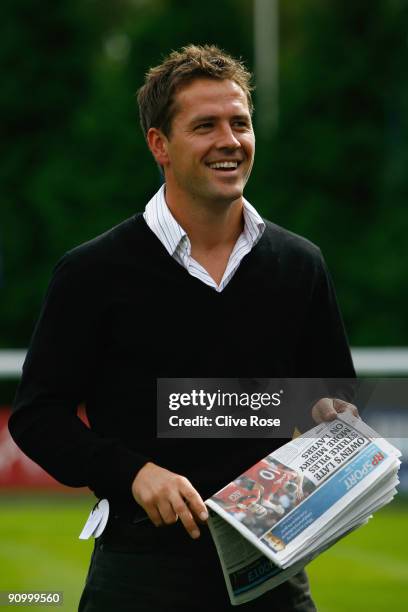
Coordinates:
175 240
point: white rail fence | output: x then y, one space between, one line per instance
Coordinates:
371 361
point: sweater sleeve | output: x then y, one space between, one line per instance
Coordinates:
324 354
57 372
324 346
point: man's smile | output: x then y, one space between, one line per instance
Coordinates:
224 165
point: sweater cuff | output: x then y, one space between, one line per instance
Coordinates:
115 472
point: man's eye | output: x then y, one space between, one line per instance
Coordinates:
204 126
241 124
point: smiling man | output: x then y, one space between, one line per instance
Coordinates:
207 161
199 285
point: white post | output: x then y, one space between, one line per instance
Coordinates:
266 40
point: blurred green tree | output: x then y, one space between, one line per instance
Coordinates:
335 166
75 162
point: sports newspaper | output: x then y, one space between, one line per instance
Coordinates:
298 501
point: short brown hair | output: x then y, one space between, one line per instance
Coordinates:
156 96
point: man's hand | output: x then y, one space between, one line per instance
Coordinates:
166 496
328 408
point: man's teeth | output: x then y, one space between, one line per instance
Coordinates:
225 164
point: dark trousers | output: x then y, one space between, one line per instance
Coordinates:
138 568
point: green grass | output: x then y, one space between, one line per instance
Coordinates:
368 569
40 550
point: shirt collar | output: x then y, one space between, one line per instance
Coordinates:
160 220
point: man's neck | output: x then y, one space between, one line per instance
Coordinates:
209 226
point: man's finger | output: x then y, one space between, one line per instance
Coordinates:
195 502
324 410
181 509
154 515
167 513
190 524
342 406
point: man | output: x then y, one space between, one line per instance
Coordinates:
198 286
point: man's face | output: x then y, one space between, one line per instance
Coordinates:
211 147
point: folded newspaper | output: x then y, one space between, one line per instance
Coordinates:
298 501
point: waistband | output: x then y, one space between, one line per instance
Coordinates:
126 513
130 530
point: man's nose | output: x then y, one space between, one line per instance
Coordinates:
227 139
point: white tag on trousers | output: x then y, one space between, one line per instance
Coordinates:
96 522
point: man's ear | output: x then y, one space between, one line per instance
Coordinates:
157 143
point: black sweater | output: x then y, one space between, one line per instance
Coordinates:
120 313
